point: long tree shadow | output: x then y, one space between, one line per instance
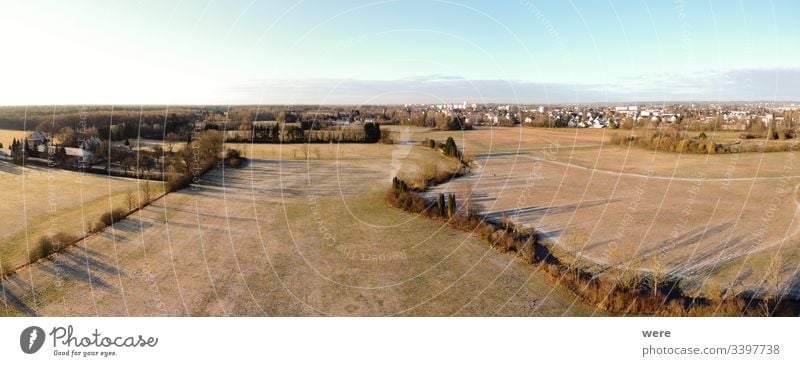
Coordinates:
789 301
69 265
499 154
11 168
76 264
13 298
536 212
132 224
689 237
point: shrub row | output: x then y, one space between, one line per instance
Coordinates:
50 244
680 142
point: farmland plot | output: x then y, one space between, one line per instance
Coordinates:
287 237
38 201
716 221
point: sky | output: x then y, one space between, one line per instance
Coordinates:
397 51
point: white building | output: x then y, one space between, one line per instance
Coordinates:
343 121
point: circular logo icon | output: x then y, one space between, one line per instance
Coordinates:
31 339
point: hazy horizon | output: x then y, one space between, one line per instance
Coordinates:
359 52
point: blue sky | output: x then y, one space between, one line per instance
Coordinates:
358 52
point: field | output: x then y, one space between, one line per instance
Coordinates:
7 136
717 221
300 230
303 230
38 201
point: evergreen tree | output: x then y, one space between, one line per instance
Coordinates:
450 148
372 132
451 205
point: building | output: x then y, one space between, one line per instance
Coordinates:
91 143
342 121
37 138
82 157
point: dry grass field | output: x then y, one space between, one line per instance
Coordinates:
716 220
303 230
38 201
7 136
300 230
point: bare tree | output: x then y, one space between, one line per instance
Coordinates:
146 191
657 273
575 242
130 199
170 140
774 283
469 203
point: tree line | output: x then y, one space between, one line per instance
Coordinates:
283 133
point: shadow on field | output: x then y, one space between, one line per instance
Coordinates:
132 224
793 287
698 257
533 213
14 300
8 167
70 265
499 154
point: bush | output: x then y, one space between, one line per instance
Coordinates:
178 181
234 158
47 245
109 218
408 201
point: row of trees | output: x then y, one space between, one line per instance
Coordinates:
447 209
448 148
115 123
19 150
681 142
282 133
